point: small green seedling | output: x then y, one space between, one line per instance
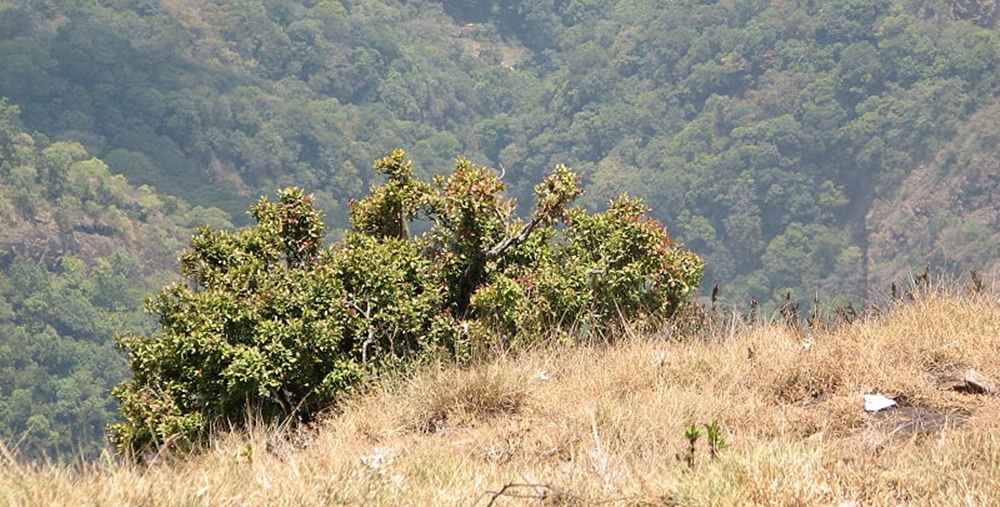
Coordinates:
691 434
715 441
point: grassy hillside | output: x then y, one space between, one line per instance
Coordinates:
605 425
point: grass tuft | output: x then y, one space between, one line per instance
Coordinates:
455 397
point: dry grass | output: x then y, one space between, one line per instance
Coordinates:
604 425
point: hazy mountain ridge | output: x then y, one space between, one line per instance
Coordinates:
760 132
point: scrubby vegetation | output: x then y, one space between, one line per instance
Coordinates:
272 325
599 424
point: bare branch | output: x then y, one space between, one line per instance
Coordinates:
514 240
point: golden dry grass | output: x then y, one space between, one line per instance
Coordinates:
605 424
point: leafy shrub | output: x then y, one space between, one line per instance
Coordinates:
269 322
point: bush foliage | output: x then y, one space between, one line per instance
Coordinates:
269 322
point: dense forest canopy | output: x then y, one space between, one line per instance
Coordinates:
80 249
800 146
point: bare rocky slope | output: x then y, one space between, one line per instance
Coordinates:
946 213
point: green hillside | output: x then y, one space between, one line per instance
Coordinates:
805 147
762 132
79 250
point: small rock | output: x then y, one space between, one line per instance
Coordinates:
966 380
976 383
877 402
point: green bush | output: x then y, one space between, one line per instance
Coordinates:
269 323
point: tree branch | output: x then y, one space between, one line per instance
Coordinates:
514 240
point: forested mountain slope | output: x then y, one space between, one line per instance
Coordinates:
803 146
945 211
760 131
79 250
